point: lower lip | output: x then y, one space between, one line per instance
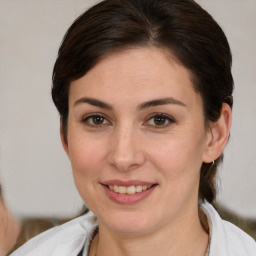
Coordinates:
127 199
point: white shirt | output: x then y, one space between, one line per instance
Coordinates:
69 238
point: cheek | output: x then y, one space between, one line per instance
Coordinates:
179 168
177 157
169 155
87 160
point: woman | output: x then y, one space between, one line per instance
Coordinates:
144 92
9 228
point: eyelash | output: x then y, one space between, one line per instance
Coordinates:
95 115
167 118
154 116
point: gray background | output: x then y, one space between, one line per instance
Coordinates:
35 171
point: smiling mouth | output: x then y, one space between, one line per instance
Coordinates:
130 190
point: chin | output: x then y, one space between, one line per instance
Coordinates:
128 223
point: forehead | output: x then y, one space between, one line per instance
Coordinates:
140 72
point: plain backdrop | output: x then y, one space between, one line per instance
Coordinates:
34 169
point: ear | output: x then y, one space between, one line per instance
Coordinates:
64 141
218 135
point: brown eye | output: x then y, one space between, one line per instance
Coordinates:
95 120
160 121
98 120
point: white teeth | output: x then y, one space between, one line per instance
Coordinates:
122 190
128 190
131 190
138 189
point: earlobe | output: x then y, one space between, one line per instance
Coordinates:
218 135
64 141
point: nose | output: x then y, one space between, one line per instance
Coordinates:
126 152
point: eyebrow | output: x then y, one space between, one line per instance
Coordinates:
147 104
159 102
93 102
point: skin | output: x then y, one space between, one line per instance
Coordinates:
129 144
9 230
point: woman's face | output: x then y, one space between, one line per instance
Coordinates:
136 141
9 230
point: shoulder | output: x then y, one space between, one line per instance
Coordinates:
226 238
65 240
239 240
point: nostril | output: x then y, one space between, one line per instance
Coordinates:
126 161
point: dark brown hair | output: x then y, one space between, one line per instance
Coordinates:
181 26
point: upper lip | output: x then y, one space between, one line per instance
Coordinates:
127 183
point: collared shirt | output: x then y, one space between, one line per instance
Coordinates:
70 238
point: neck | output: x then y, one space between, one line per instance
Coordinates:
182 237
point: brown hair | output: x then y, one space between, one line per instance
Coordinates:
181 26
